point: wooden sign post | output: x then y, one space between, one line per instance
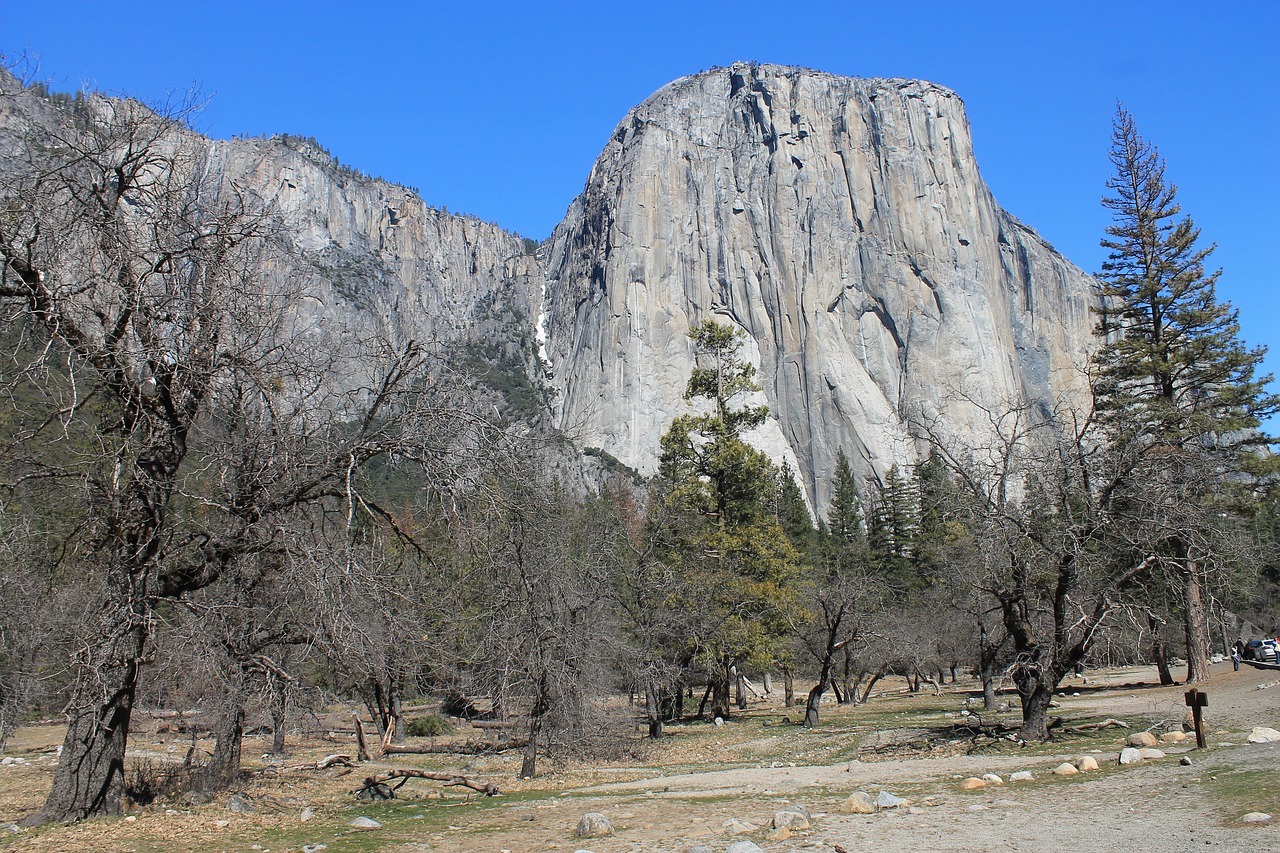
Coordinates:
1197 699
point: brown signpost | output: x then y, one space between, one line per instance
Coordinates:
1197 699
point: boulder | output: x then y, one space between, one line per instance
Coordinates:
1173 737
992 779
744 847
859 802
791 819
1129 756
1066 769
1140 739
885 800
1255 817
972 783
363 822
1021 776
1086 763
1263 734
593 825
780 833
1150 754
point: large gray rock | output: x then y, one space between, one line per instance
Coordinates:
843 225
593 825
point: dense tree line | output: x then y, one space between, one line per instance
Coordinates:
206 501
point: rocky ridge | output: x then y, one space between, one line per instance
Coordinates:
841 223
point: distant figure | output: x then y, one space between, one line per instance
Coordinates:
1237 652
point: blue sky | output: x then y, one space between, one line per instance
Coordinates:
499 108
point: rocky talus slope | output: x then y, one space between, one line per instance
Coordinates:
843 225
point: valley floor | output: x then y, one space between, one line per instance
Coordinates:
714 786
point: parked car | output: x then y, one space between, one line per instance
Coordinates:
1261 650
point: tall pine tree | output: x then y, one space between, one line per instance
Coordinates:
1173 374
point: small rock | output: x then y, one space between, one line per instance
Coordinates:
1148 753
240 805
314 848
6 761
1086 763
1021 776
972 783
859 803
782 833
307 814
718 721
1256 817
222 823
701 849
1129 755
914 810
1066 768
788 819
1140 739
575 851
977 807
1263 734
363 822
1173 737
885 800
992 779
744 847
739 827
593 825
1185 761
131 818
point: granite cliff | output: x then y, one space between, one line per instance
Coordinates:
843 225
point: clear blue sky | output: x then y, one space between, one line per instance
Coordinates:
499 109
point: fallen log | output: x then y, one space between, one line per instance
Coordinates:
378 782
324 763
1093 727
472 747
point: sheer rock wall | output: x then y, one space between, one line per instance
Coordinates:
843 225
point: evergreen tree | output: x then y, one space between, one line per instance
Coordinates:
791 512
1174 375
892 526
846 510
722 514
1177 368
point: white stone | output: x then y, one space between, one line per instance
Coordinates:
1066 769
363 822
1256 817
1263 734
1150 754
992 779
885 800
593 825
1129 755
1086 763
1021 776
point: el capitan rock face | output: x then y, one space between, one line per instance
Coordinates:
841 223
